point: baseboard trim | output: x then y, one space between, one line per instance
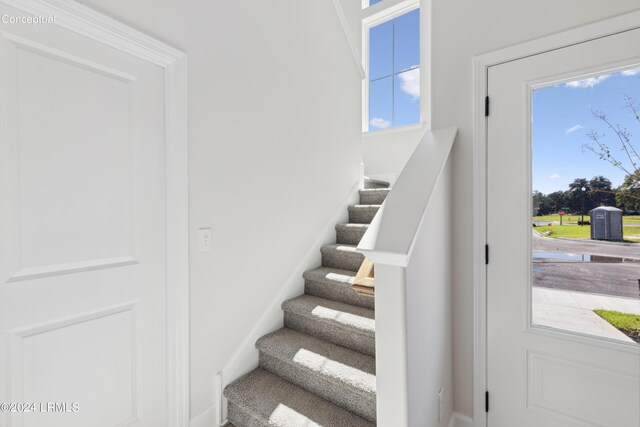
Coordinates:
207 418
459 420
246 356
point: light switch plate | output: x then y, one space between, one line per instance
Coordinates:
204 239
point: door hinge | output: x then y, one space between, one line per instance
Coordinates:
486 106
486 254
486 401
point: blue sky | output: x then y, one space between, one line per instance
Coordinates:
394 73
562 118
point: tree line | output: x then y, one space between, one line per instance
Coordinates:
614 145
598 191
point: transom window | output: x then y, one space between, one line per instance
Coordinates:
394 72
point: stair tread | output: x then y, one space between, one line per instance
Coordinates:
279 403
328 361
357 319
375 183
364 207
351 225
331 275
340 247
341 255
374 190
373 195
335 284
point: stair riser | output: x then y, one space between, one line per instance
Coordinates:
357 402
362 216
342 259
373 198
350 236
340 336
341 293
240 417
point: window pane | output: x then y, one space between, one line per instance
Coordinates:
372 2
381 50
407 41
380 104
407 98
585 199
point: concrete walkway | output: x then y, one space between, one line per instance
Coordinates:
573 311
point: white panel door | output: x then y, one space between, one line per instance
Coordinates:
82 220
539 376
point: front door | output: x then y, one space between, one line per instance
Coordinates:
557 352
82 225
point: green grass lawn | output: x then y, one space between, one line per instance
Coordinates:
573 219
625 322
631 233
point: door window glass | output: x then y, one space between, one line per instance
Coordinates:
586 205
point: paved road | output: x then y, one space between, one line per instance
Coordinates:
625 250
618 279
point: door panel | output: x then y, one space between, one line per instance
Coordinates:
82 220
542 376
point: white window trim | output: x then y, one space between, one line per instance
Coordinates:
386 11
394 130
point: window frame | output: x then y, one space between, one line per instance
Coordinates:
378 14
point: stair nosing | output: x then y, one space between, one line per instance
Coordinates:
336 325
307 275
236 399
334 246
352 329
254 416
316 374
359 206
347 225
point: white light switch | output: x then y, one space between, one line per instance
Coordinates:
204 239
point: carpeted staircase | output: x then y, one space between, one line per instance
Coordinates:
319 370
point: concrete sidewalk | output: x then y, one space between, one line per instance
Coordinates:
573 311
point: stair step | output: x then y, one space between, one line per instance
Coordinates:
335 284
343 257
375 183
341 324
373 196
261 399
350 234
342 376
362 214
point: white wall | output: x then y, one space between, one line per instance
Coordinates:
386 152
274 144
461 30
428 294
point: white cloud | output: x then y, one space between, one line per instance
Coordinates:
379 123
573 129
555 176
590 82
410 83
631 72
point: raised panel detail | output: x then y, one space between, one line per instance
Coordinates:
74 163
583 395
89 359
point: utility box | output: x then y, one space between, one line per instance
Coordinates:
606 223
